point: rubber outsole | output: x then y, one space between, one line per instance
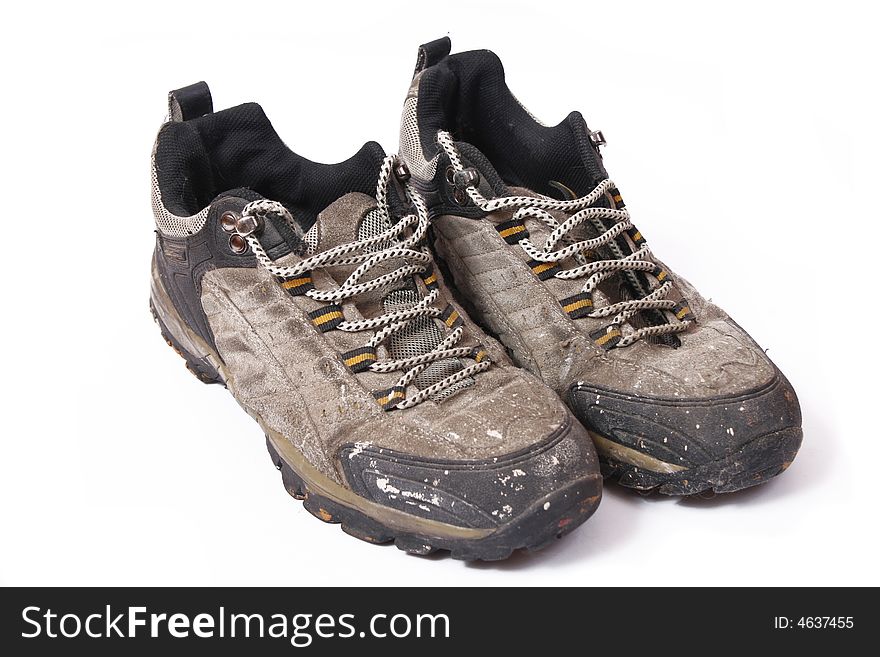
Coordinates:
532 530
754 463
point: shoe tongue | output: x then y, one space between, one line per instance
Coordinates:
356 217
341 221
351 218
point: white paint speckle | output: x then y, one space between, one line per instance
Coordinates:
546 505
358 448
518 473
385 487
416 495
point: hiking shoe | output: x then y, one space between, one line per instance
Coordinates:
307 291
541 249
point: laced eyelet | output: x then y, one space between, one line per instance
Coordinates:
469 177
249 224
460 181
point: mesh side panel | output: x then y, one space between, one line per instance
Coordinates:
420 336
451 366
373 224
310 239
170 224
411 145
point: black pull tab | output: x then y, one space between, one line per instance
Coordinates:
432 52
189 102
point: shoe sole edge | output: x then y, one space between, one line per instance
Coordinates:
754 463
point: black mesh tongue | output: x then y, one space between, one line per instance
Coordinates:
574 169
563 163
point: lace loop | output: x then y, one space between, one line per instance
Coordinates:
393 244
558 246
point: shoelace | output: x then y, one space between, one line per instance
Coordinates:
559 245
417 260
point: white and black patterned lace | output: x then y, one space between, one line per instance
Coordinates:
403 242
559 245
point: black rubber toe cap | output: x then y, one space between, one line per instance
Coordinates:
476 494
687 432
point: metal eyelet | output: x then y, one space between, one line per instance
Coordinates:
460 181
227 221
465 178
249 224
401 172
237 244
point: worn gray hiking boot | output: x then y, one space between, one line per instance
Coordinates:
536 239
306 289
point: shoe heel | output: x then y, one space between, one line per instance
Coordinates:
183 341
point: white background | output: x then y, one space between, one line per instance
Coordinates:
745 140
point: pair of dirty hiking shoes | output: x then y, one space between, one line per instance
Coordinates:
450 347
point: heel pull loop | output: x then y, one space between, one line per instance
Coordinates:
189 102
